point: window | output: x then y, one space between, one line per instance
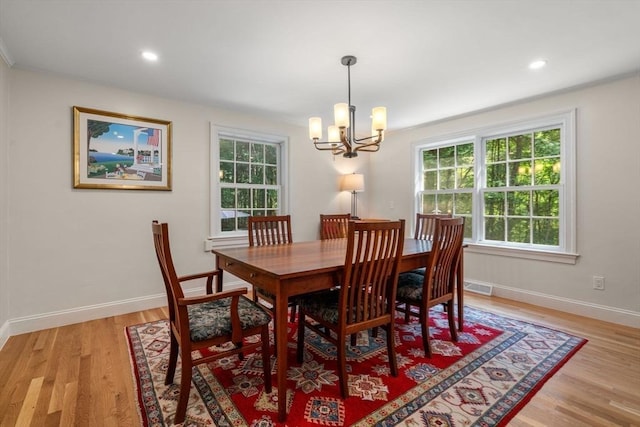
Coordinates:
448 180
521 191
514 184
248 172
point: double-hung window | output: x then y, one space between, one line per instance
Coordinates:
248 176
514 184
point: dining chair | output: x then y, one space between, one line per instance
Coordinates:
200 322
334 226
437 283
366 296
270 230
425 224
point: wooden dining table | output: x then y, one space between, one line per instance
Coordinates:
299 268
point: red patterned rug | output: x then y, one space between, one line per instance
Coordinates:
484 379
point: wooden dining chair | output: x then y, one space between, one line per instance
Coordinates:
334 226
200 322
270 230
366 296
437 283
425 225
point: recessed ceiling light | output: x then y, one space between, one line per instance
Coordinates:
149 56
537 64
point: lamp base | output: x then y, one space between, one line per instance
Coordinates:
354 205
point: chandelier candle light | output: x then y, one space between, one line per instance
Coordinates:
342 135
354 183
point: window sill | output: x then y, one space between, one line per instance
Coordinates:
531 254
227 242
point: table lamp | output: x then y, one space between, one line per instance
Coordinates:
354 183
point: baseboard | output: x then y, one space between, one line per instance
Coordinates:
580 308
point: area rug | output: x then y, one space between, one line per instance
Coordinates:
484 379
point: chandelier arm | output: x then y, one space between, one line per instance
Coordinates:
371 148
378 139
333 146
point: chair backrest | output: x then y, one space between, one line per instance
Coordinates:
425 225
334 226
368 289
442 265
269 230
163 253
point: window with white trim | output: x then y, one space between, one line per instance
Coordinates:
514 184
248 172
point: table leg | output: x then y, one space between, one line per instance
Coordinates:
281 354
460 291
220 272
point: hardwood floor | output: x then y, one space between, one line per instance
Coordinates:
80 374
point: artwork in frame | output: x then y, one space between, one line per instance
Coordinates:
119 151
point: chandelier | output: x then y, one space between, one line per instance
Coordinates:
341 137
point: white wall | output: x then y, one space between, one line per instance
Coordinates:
71 255
4 202
78 253
608 205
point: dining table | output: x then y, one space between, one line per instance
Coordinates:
300 268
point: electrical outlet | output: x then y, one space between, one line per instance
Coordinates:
598 283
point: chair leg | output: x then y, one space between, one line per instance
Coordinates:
173 360
294 310
391 350
185 386
300 348
424 323
342 367
241 354
275 326
407 312
266 359
452 323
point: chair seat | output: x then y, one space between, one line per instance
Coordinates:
213 319
410 286
323 305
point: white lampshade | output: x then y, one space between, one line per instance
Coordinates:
379 118
334 133
315 128
352 182
341 114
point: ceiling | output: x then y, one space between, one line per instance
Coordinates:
424 60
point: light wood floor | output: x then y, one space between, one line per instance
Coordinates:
80 374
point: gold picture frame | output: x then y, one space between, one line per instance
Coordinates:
120 151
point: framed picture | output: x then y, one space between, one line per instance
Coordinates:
118 151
